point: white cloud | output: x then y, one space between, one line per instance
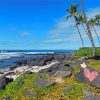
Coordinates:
92 12
65 31
25 34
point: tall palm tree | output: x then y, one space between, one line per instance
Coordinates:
73 13
92 23
88 29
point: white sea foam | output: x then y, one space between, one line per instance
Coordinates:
5 55
8 55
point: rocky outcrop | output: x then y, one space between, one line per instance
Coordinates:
56 67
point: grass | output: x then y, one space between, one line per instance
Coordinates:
54 92
16 92
86 52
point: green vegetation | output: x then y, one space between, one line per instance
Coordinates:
86 52
54 92
16 91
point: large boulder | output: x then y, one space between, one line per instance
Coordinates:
4 81
89 75
42 83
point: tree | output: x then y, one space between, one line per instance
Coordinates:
73 13
97 18
81 21
88 29
92 23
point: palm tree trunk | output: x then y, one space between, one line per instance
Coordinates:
96 35
88 29
84 29
80 35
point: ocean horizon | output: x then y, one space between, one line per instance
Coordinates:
8 57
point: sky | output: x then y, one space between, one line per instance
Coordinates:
41 24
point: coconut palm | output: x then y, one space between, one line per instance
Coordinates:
73 13
88 29
97 18
92 23
81 21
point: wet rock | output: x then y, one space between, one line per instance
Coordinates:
4 81
29 92
12 68
22 62
67 89
92 98
42 83
88 92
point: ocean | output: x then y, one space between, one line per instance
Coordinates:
8 57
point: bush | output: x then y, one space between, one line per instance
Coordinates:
87 52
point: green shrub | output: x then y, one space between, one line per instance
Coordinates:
87 52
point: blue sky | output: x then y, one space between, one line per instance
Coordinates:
41 24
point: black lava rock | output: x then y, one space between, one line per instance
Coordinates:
4 81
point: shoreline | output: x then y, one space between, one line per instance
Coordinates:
34 66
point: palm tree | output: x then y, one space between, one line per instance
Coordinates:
73 13
88 29
97 18
81 21
92 23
